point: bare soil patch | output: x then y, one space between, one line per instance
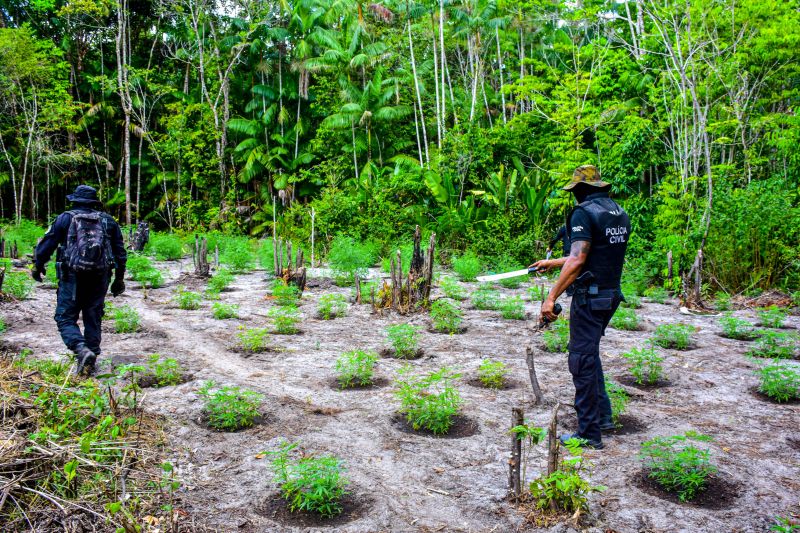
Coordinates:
459 331
463 426
377 383
630 381
276 508
721 491
390 353
508 384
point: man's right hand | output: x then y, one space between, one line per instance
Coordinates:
37 271
542 266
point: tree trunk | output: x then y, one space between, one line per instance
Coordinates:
419 97
515 462
537 391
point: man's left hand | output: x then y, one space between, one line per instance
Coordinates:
37 271
547 313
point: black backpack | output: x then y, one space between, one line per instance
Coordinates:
88 248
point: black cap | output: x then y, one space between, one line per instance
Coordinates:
84 195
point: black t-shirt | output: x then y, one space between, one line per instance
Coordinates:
580 226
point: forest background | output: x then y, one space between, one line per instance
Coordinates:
464 117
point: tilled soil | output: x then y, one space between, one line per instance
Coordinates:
402 480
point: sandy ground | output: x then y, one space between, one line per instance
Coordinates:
407 482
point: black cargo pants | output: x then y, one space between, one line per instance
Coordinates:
81 294
588 317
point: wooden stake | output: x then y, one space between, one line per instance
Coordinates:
669 264
537 391
515 462
552 441
312 237
358 289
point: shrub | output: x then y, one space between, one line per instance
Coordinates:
468 266
126 319
677 466
632 300
774 345
25 234
2 325
349 258
625 319
658 295
230 408
556 337
266 257
223 311
565 489
285 319
332 306
452 289
141 269
166 246
237 254
187 300
619 400
512 308
446 316
253 339
737 328
428 401
722 301
220 281
285 294
355 368
165 371
678 336
18 285
780 381
492 373
771 317
645 365
404 338
406 253
311 484
484 298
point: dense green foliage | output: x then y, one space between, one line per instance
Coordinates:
428 401
446 316
780 381
404 339
645 365
228 407
678 466
464 118
492 374
355 368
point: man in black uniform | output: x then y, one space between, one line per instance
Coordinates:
598 230
89 245
560 237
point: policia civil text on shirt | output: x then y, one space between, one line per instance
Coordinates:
90 246
598 230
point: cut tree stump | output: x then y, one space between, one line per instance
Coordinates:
138 240
537 391
200 257
291 274
515 462
413 294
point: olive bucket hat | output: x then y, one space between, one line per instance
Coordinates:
84 195
589 175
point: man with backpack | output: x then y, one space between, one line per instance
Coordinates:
90 245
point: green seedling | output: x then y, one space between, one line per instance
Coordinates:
355 368
223 311
737 328
785 525
771 317
678 336
452 289
285 319
530 436
220 281
780 381
314 484
565 490
285 294
446 316
556 337
18 285
645 365
486 299
678 466
166 371
619 401
512 308
349 258
332 306
253 340
625 319
187 300
722 301
774 345
238 255
428 401
404 338
492 374
230 408
126 319
166 246
141 270
468 266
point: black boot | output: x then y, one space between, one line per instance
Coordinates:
85 359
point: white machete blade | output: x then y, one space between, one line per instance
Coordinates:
505 275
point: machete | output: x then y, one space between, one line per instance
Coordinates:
514 274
